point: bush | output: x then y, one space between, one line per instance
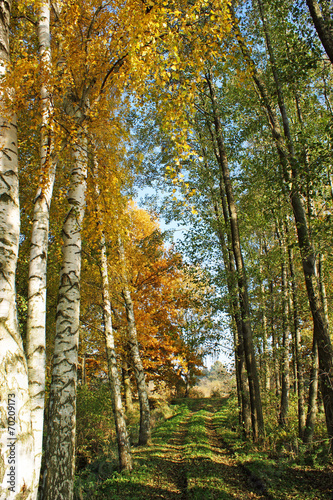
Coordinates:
95 434
196 393
216 392
161 412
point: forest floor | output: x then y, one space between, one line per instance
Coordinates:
196 455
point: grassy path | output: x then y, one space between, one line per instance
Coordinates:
211 472
191 459
221 477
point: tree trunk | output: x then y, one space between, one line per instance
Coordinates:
291 181
144 432
313 396
297 341
124 451
322 286
275 350
255 396
285 332
284 407
127 386
266 374
16 436
244 383
59 470
273 365
36 315
228 258
321 330
322 19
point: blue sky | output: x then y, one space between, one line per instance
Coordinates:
226 356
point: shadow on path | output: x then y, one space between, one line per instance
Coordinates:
187 464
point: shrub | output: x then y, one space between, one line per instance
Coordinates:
95 434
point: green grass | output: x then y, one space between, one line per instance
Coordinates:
285 473
149 478
198 454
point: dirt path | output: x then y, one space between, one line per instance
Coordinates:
239 483
177 463
197 472
168 477
189 460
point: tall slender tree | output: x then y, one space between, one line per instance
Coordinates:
254 387
124 451
144 432
292 182
15 397
36 314
58 481
321 13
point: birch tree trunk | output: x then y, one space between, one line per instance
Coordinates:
36 319
125 460
127 386
124 451
17 473
58 478
144 432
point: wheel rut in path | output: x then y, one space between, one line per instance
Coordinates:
194 463
168 479
222 477
178 465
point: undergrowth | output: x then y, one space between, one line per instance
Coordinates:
147 477
280 461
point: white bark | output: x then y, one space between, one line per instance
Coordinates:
124 452
13 367
38 251
144 432
60 444
16 453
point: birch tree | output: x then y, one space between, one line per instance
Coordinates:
18 474
144 433
58 480
124 451
39 245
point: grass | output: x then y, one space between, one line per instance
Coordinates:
274 463
150 477
199 454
